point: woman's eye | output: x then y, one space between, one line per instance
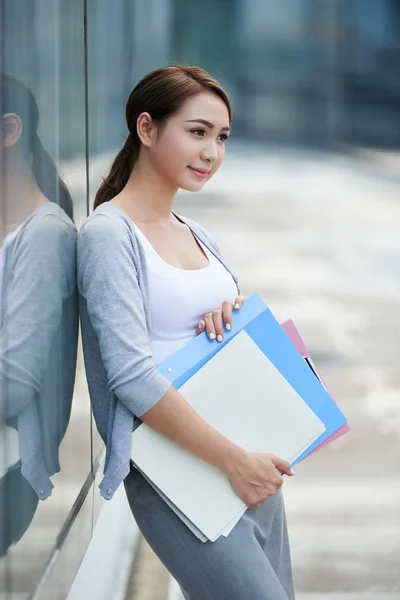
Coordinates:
200 133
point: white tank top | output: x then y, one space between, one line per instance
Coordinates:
179 298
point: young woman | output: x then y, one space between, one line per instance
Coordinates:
149 281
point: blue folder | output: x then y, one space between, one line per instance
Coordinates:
259 323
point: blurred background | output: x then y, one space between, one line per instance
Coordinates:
306 209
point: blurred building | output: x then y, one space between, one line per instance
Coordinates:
299 71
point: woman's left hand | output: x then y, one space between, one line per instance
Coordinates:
214 322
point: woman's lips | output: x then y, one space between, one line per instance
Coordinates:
198 173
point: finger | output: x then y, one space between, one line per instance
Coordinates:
271 490
237 305
218 325
282 465
200 327
208 318
253 503
227 315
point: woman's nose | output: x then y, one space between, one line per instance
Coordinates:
210 151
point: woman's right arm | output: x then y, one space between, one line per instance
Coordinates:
254 477
108 282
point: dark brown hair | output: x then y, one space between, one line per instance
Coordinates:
16 97
161 93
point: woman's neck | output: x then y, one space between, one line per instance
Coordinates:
20 196
147 196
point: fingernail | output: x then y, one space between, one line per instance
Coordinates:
292 472
237 305
228 326
201 325
219 338
212 336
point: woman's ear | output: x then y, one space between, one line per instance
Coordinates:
11 130
146 129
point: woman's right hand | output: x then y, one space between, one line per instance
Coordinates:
256 477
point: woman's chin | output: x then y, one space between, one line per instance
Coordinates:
192 186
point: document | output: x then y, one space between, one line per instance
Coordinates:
246 398
291 331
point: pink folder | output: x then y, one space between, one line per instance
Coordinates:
294 336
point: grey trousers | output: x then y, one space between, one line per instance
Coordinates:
252 563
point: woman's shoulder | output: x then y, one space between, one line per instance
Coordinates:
48 226
45 246
108 233
109 223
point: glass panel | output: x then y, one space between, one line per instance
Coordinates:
110 40
58 583
45 413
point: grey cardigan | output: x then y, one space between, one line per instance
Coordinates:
115 317
38 339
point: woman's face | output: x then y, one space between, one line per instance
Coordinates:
193 139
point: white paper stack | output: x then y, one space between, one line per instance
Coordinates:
242 395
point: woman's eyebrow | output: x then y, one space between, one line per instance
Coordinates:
207 124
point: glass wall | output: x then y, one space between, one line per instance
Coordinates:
45 431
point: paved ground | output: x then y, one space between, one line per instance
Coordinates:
318 238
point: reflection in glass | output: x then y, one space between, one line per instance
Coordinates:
38 312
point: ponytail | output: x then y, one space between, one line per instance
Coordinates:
120 171
48 179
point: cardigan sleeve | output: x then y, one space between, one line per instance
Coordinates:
44 262
108 282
